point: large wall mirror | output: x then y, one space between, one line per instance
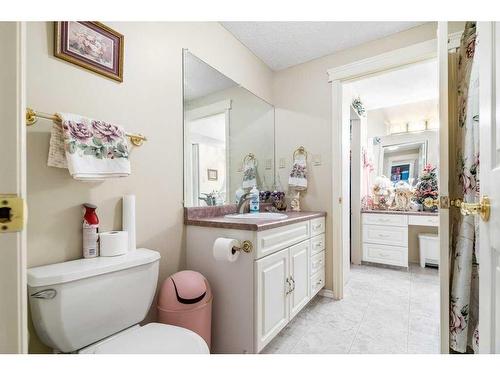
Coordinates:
403 161
228 137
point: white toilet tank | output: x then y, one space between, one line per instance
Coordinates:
74 304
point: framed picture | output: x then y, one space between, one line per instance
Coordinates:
212 174
91 45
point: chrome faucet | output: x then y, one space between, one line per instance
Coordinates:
243 203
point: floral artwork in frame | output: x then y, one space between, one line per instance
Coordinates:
212 174
91 45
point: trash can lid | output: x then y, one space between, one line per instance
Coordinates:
184 290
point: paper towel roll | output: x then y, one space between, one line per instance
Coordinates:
128 219
113 243
223 249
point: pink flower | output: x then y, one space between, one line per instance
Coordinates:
457 320
78 130
106 131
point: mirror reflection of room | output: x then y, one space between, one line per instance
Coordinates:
228 137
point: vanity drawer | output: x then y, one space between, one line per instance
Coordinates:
272 240
317 263
317 282
430 221
317 226
317 244
385 219
392 255
386 235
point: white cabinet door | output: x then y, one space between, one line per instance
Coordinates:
272 302
299 276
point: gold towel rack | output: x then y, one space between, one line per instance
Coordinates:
32 117
300 151
250 157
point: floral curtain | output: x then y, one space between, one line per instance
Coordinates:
464 335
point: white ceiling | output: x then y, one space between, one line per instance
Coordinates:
200 79
284 44
414 83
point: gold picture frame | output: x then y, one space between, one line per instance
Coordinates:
90 45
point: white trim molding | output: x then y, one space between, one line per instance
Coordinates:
327 293
385 61
208 110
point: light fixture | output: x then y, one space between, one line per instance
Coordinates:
413 126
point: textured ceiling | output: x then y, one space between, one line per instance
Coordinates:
284 44
414 83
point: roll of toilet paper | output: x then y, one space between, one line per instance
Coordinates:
128 219
113 243
223 249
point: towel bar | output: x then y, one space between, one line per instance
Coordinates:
32 117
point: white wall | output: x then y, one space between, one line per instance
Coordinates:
148 101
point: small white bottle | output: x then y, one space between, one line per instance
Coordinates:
254 200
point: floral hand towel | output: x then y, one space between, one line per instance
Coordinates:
298 175
93 149
249 175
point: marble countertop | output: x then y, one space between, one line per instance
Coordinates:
255 224
391 212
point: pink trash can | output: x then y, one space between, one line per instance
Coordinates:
185 300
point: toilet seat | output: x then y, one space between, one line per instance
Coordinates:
153 338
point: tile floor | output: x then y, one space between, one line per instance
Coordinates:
384 311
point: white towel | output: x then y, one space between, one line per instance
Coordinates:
249 175
90 149
298 175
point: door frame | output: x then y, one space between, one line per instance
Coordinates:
337 77
15 300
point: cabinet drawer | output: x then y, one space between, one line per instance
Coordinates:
275 239
385 219
392 255
317 244
317 226
317 282
430 221
317 263
386 235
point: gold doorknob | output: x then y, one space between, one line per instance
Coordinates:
482 208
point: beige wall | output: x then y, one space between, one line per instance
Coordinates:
148 101
302 96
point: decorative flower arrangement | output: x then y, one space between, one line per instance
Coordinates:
278 200
427 186
382 193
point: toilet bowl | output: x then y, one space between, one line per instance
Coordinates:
153 338
95 306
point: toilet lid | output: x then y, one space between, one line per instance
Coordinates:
154 338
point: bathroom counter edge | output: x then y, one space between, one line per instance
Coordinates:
254 225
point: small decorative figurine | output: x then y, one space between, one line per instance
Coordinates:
295 202
402 196
382 193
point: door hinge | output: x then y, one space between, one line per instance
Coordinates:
12 213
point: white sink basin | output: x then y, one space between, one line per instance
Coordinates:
258 216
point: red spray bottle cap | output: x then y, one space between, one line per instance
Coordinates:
90 215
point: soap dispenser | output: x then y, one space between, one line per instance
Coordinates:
254 200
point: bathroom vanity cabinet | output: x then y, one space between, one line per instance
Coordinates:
258 294
385 235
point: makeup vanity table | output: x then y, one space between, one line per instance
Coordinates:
385 234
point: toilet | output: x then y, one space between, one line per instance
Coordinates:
94 306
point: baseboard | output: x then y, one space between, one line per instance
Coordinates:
326 293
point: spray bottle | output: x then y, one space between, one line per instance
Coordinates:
90 231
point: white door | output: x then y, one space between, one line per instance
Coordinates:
272 303
13 301
489 231
299 276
